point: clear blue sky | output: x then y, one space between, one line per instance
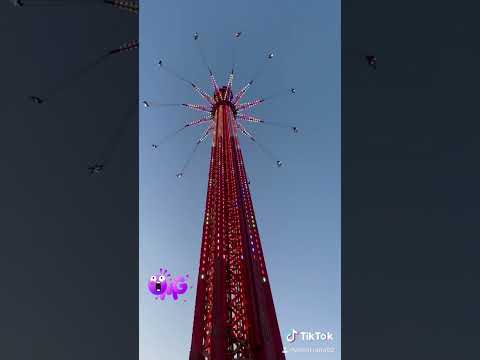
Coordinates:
297 206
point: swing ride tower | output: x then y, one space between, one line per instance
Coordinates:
234 314
234 310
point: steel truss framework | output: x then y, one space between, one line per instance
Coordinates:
234 311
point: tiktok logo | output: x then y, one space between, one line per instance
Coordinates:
309 336
291 336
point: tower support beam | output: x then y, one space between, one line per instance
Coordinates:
234 310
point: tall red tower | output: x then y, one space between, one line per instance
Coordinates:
234 310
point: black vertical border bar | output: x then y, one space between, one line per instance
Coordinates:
68 240
410 175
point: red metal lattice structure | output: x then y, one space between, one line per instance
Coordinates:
234 310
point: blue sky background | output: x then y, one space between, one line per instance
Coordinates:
297 206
